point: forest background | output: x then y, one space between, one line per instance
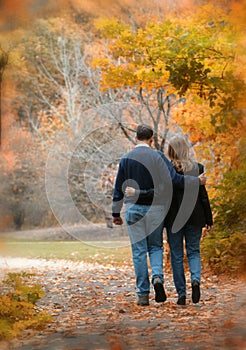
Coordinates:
77 76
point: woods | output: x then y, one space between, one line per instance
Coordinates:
68 75
76 78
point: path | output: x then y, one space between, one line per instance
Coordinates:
93 308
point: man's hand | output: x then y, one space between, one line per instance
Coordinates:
203 179
130 191
117 220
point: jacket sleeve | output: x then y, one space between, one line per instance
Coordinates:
145 194
205 200
178 180
118 194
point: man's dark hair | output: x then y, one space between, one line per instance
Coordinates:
144 132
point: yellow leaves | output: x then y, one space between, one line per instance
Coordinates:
146 74
122 73
14 315
160 48
217 251
17 310
102 62
110 28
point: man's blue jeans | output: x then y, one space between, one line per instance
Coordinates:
145 228
192 236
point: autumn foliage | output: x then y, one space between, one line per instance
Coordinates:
76 66
17 306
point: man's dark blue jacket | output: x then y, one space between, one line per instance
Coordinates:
144 168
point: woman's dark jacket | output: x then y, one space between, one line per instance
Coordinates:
202 214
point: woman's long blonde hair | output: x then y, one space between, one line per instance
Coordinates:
179 153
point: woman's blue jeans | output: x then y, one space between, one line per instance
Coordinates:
145 228
192 236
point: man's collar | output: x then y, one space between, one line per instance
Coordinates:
142 144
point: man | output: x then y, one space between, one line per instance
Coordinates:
144 168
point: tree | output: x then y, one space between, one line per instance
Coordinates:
62 103
178 58
197 60
4 61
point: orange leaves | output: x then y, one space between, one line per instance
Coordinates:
229 324
237 14
116 346
194 118
98 303
189 340
51 124
14 7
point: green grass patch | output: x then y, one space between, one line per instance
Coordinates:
115 253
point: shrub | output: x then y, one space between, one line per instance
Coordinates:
225 247
17 306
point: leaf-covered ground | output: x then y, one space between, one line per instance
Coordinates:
93 308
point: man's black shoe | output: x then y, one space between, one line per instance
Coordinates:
160 295
196 292
181 300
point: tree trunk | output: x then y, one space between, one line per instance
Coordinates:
4 61
0 111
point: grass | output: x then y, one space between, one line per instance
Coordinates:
118 253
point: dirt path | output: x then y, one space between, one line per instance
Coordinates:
93 308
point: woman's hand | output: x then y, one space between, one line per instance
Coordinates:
130 191
206 230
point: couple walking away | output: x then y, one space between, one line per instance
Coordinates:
157 193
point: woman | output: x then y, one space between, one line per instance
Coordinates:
191 229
